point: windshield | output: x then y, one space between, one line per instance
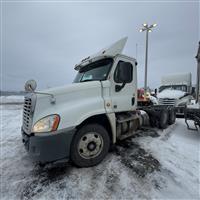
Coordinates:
98 70
175 87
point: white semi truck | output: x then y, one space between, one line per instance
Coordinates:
82 120
176 90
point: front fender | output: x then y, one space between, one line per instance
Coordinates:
183 101
73 114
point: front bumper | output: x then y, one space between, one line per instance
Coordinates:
49 147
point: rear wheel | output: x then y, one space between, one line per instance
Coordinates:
163 121
90 145
172 117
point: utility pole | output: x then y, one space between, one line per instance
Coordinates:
146 61
198 74
148 29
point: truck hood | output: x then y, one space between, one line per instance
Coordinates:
74 87
171 94
69 100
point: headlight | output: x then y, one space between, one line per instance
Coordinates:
47 124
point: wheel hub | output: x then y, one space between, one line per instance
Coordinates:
90 145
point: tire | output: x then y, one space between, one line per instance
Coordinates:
90 145
153 121
154 116
163 122
172 117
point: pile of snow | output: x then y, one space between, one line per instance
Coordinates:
171 93
165 166
11 99
177 150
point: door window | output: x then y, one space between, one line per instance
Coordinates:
118 71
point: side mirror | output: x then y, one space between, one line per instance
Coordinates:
124 72
193 91
30 86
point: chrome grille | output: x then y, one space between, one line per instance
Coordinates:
27 114
165 101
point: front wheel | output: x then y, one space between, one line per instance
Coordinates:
90 145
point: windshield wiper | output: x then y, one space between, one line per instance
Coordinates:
90 80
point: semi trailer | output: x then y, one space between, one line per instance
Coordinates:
81 121
192 112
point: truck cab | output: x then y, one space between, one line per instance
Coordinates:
81 120
176 90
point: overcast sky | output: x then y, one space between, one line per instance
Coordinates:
44 40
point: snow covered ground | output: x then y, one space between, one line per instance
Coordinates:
154 164
11 99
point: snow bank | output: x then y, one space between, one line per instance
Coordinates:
11 99
177 149
170 93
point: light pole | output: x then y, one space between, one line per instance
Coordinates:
148 29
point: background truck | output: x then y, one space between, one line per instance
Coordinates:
82 120
176 90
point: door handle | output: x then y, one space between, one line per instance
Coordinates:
133 101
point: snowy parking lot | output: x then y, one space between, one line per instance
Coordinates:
154 164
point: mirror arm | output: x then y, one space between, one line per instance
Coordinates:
119 87
52 100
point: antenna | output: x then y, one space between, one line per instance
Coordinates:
136 50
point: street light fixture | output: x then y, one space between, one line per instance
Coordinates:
144 24
148 29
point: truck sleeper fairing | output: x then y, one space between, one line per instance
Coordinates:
111 51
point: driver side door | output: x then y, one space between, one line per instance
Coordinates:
124 99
